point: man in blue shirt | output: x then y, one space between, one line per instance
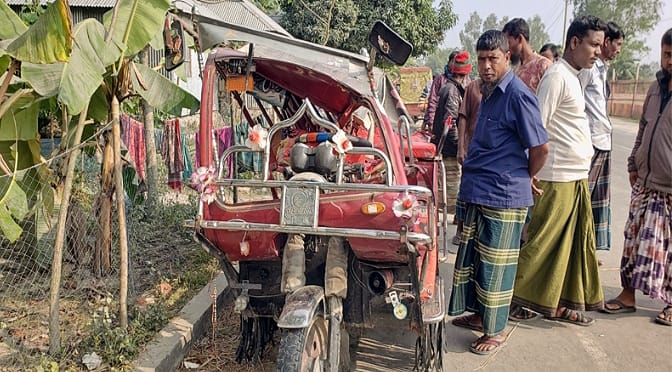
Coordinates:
509 147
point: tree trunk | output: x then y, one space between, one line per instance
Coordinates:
54 327
150 148
104 209
121 211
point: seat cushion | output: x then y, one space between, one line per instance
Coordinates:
422 147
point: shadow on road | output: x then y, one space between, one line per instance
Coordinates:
373 355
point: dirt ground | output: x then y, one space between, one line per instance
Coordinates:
162 255
217 350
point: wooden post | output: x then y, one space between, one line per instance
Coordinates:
55 287
564 26
634 92
611 97
121 211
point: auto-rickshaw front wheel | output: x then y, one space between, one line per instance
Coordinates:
304 349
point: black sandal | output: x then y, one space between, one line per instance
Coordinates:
521 314
567 316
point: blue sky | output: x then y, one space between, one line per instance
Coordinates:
551 12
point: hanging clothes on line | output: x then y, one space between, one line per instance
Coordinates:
133 137
247 161
171 150
223 138
186 159
158 138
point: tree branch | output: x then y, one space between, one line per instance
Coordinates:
5 84
312 11
328 23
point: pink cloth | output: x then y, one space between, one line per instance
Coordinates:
133 137
223 137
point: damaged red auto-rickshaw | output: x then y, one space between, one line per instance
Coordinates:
340 208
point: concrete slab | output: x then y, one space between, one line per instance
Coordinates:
169 347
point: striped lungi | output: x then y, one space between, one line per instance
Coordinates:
452 180
558 263
486 262
598 185
460 209
647 255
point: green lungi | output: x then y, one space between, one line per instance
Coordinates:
486 262
558 266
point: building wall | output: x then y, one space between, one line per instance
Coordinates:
627 98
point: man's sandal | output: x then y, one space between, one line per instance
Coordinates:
666 318
621 309
573 317
492 343
468 322
520 314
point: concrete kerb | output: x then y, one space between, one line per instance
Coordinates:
171 344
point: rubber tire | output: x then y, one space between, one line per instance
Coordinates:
292 354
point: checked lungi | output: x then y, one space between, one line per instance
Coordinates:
647 253
486 263
598 185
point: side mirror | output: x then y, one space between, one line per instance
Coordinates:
389 44
173 42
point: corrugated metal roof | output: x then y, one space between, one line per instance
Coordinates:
81 3
239 12
243 13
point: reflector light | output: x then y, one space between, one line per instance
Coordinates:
373 208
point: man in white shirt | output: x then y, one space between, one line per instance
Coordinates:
557 268
596 86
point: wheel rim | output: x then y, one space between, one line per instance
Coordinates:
315 346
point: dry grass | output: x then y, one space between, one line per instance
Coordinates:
217 350
162 252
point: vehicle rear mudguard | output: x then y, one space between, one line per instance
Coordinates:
301 306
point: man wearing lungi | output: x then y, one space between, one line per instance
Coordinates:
646 264
497 190
596 86
557 268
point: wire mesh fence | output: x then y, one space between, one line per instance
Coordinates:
159 249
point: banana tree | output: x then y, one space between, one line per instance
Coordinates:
79 67
19 143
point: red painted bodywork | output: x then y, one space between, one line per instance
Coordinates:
341 209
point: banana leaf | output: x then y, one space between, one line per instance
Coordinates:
12 26
137 22
75 81
48 40
20 122
13 206
162 93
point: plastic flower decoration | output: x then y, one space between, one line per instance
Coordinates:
405 206
203 180
341 141
257 138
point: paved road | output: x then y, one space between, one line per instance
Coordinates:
630 342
